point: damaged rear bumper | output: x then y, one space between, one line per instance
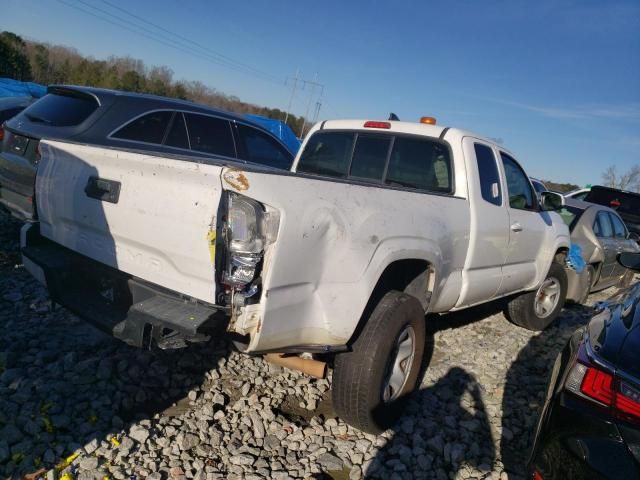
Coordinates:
137 312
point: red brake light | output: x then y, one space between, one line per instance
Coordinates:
537 476
597 384
1 134
615 203
372 124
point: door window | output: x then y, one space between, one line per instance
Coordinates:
149 128
261 148
619 230
177 136
602 226
518 187
489 176
210 135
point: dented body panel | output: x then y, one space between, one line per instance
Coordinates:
332 241
159 228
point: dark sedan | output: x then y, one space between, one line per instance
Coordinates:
590 424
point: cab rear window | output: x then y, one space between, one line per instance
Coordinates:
61 109
404 161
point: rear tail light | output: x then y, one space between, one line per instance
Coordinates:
1 134
596 384
372 124
537 476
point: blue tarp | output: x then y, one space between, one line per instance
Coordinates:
15 88
280 130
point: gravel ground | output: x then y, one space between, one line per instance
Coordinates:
208 412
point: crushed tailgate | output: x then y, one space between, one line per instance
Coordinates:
149 216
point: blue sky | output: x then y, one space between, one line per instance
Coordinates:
557 81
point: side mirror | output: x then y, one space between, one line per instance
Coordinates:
630 260
551 201
634 236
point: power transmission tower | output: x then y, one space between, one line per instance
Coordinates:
314 84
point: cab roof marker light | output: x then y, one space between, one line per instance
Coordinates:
428 120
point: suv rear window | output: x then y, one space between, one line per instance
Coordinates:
61 110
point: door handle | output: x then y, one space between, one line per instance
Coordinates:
516 227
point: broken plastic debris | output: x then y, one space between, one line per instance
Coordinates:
115 442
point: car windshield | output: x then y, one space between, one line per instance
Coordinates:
570 215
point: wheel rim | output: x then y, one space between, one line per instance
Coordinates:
547 297
399 365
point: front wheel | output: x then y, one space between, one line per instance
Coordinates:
536 310
370 381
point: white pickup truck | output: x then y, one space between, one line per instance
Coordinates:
376 224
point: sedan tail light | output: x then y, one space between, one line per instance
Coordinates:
596 384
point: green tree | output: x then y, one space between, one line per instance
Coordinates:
14 62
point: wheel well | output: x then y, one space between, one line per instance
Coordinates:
561 255
412 276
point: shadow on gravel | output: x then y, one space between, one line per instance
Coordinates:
526 385
454 403
65 385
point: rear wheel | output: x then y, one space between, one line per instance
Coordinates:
536 310
371 381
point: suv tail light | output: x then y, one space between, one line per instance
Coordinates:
591 382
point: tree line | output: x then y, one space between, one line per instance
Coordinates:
47 64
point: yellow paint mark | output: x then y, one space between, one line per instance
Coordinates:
236 179
115 442
211 242
67 461
66 476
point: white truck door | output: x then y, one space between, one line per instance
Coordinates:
488 239
527 228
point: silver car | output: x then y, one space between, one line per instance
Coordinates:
602 235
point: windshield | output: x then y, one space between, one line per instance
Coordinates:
570 215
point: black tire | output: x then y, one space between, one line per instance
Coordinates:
627 279
359 376
521 309
590 273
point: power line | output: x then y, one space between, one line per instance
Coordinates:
200 46
122 23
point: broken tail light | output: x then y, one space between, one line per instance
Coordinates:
249 229
592 382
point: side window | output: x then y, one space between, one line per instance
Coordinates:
370 157
420 164
177 136
261 148
327 153
149 128
604 228
619 230
210 134
518 187
489 176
